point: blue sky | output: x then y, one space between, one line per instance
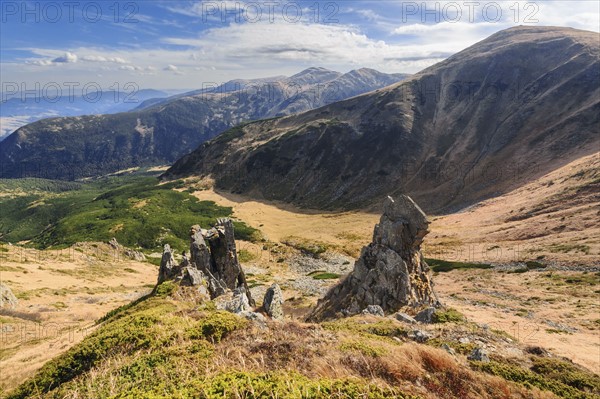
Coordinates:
185 44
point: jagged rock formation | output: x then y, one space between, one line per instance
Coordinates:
130 253
237 303
213 262
390 272
7 298
273 302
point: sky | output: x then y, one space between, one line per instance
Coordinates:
187 45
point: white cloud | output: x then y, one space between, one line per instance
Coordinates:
66 59
40 62
130 68
248 50
264 44
100 58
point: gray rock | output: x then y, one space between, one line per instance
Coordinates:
448 349
403 317
192 277
130 253
7 298
374 310
255 317
167 269
425 315
419 336
114 243
464 340
390 272
214 252
480 355
273 302
135 255
235 302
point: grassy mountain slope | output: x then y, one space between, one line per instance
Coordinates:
167 346
552 218
507 110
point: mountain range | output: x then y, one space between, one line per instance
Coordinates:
21 108
160 131
506 110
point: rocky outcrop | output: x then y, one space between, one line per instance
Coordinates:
212 264
426 315
7 298
130 253
390 272
236 303
273 302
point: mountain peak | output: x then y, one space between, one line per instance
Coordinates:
314 75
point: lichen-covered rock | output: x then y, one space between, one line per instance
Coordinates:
403 317
390 272
480 355
214 252
425 315
273 302
168 266
236 302
7 298
374 310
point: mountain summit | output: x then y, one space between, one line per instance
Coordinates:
512 107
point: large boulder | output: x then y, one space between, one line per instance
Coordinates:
7 298
390 272
273 302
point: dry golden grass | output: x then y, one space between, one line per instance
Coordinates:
61 294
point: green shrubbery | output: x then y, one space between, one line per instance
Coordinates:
143 329
216 325
136 210
382 328
447 316
559 377
438 265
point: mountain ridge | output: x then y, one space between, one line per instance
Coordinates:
92 145
511 107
